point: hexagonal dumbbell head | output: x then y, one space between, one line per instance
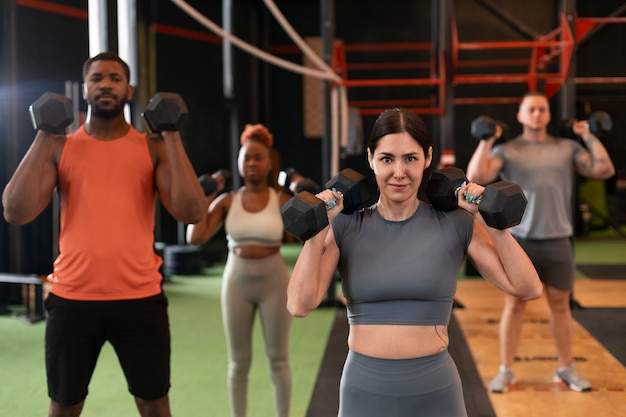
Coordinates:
165 112
304 215
353 186
52 113
441 188
502 205
483 127
600 123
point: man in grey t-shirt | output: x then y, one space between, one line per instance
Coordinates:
543 166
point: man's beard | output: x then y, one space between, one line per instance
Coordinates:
109 113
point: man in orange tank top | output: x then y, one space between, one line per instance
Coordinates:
106 284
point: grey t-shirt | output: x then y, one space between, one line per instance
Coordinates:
545 172
401 272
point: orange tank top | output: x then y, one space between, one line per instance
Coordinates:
106 243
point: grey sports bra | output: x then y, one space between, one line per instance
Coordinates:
401 272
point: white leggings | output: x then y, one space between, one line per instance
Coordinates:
249 285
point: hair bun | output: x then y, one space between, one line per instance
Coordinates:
257 132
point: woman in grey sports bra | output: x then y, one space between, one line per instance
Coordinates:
399 260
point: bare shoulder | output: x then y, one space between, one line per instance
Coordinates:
283 197
156 146
154 140
58 144
222 202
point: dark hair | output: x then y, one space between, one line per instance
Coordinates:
397 120
106 56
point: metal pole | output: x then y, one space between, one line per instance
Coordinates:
567 93
98 33
228 69
445 12
127 46
327 11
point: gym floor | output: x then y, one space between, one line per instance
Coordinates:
318 348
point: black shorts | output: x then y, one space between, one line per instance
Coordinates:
553 259
138 330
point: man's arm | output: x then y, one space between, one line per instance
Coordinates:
596 163
30 189
179 190
482 167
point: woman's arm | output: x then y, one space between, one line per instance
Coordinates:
498 256
212 219
315 267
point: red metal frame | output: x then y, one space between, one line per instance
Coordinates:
557 44
547 67
584 24
433 105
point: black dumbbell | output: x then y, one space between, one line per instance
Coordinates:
600 124
51 112
296 182
304 215
165 112
210 182
502 205
484 127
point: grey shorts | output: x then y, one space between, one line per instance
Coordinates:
428 386
553 259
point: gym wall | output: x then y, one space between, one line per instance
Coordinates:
178 54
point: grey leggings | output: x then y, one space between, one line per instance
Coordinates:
249 285
428 386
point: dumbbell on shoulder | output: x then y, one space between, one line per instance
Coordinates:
211 182
304 215
52 113
502 205
600 124
296 182
166 112
484 127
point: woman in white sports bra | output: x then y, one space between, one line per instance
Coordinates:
255 277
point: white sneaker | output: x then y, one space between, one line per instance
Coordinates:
568 376
503 381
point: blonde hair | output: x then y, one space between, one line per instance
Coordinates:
256 132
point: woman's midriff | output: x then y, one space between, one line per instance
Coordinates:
397 341
255 251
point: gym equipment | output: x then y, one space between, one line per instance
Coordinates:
181 260
52 113
304 215
484 127
32 294
502 204
599 123
296 182
165 112
209 182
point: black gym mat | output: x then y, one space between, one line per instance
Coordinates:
603 271
607 326
477 400
325 398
